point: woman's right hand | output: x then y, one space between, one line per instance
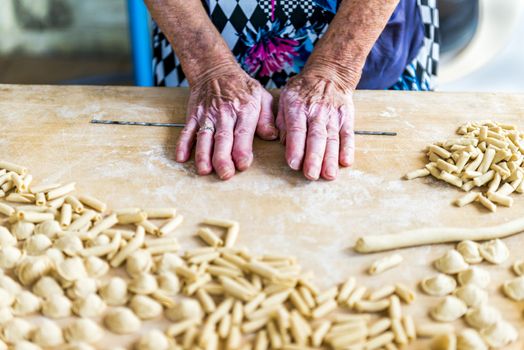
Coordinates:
225 109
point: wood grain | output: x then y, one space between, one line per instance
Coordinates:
47 129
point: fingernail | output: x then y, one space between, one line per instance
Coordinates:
203 167
179 156
224 173
313 174
331 172
294 164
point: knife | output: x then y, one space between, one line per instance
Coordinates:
181 125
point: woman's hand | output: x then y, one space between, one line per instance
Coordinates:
225 109
315 120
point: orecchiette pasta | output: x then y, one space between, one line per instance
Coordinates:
144 283
6 298
50 228
169 283
439 285
153 340
469 339
56 306
145 307
9 257
452 262
139 262
82 288
449 309
185 309
514 288
470 252
96 267
16 330
83 330
71 269
518 267
114 292
474 275
37 244
70 245
47 334
22 230
89 306
482 316
122 320
25 303
47 286
499 335
495 251
472 295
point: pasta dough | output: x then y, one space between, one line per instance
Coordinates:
425 236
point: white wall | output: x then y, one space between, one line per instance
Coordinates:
503 73
67 26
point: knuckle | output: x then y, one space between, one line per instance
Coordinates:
201 155
243 131
318 132
241 154
346 132
333 138
223 135
296 128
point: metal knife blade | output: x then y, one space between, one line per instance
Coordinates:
181 125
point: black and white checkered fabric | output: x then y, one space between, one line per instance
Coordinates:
426 62
232 17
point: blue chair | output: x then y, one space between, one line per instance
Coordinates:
141 49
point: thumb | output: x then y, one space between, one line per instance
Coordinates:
266 129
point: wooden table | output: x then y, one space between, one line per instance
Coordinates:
47 129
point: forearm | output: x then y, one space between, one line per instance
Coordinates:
193 36
342 52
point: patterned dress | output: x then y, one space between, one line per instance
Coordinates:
272 40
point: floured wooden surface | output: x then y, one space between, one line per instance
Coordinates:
47 129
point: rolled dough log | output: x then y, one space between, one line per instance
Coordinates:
425 236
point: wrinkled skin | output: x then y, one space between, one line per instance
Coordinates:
315 119
232 107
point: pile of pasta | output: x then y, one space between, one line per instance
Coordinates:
88 270
487 159
461 286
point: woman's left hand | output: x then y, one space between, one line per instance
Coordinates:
315 119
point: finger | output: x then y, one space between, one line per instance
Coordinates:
186 140
204 150
222 161
281 121
246 124
330 164
315 144
296 127
347 142
266 122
